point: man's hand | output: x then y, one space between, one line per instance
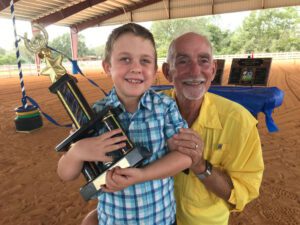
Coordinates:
188 142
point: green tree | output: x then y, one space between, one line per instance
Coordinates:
8 59
165 31
219 38
63 44
271 30
99 51
2 51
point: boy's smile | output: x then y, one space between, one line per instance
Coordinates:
134 81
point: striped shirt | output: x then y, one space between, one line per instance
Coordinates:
152 202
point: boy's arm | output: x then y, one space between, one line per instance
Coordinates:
176 160
168 165
69 167
88 149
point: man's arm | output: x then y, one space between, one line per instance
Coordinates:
238 180
190 143
219 182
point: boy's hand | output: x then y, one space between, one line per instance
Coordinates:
96 148
188 142
117 179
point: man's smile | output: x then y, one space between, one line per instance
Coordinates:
194 82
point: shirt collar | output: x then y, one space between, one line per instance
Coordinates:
145 101
113 99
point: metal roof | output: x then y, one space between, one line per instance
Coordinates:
81 14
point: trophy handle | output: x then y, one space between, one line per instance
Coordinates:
38 41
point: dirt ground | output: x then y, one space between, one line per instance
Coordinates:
31 192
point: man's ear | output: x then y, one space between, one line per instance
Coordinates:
166 72
106 67
214 69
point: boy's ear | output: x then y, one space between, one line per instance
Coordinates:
166 72
106 67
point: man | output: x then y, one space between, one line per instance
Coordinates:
223 140
227 169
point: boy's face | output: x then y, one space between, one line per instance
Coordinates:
132 66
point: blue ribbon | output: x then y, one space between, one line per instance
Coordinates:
49 118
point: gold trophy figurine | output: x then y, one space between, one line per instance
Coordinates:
85 119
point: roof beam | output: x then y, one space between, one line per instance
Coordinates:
64 13
90 23
5 3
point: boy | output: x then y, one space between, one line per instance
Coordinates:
149 119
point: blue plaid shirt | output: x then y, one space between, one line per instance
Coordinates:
156 120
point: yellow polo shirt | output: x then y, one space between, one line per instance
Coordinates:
231 143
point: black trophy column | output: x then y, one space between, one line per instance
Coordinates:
79 111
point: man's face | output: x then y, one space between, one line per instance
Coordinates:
192 67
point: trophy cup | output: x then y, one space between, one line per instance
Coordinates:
86 121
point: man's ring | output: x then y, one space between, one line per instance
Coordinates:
196 146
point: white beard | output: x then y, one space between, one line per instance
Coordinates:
191 94
194 89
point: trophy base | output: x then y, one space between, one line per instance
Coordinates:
131 159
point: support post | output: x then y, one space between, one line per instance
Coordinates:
74 47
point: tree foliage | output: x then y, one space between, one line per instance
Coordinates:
9 57
2 51
63 44
272 30
219 38
99 51
165 31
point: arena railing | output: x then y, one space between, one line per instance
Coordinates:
31 69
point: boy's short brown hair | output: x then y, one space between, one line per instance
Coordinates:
133 28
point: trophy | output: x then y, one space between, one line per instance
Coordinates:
86 121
